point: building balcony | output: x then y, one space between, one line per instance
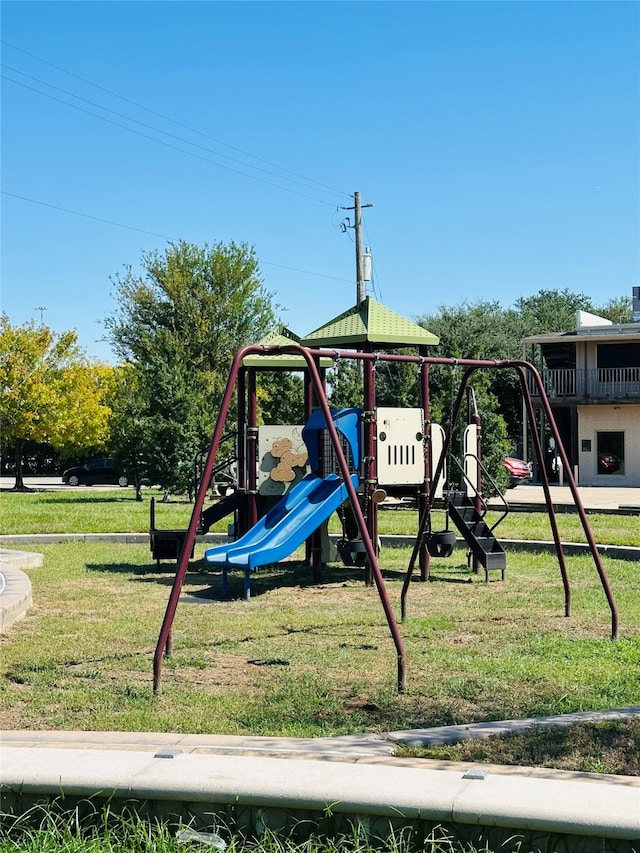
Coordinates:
599 384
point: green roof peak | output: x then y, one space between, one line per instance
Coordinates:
370 322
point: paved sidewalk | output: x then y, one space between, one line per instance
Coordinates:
340 748
592 497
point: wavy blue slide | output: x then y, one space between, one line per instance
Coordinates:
284 528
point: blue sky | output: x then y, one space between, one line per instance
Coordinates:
499 143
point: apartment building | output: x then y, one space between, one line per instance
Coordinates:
592 378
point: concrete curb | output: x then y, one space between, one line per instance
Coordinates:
614 552
274 792
15 585
536 546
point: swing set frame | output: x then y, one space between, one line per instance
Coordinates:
243 378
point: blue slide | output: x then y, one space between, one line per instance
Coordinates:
284 528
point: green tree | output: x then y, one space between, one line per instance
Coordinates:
178 325
129 423
280 397
50 391
618 310
480 330
345 384
551 311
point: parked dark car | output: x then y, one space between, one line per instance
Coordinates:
96 472
518 469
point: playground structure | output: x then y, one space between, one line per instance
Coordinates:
354 455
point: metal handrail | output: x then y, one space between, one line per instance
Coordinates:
478 495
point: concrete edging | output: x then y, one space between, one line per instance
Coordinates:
15 585
273 792
614 552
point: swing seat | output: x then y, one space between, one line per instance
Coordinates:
440 543
352 552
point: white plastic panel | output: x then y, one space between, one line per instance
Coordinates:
400 454
470 459
437 446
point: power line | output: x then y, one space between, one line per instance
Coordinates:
148 126
319 184
308 272
84 215
166 144
153 233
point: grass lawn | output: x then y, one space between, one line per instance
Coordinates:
117 511
300 659
306 660
310 660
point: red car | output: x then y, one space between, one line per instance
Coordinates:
519 470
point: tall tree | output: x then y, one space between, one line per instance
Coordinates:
551 310
618 310
50 391
345 384
280 397
178 325
479 330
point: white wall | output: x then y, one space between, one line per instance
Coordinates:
594 419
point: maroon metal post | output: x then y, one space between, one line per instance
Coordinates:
547 492
604 580
241 514
164 640
423 498
355 504
308 409
370 467
252 451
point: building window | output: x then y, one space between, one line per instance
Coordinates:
618 355
610 452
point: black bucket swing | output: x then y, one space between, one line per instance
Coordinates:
440 543
350 547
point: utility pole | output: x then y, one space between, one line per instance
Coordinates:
359 266
357 226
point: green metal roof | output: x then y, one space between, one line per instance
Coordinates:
370 322
280 336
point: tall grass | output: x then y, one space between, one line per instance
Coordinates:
91 829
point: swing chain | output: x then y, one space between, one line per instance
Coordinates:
454 373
